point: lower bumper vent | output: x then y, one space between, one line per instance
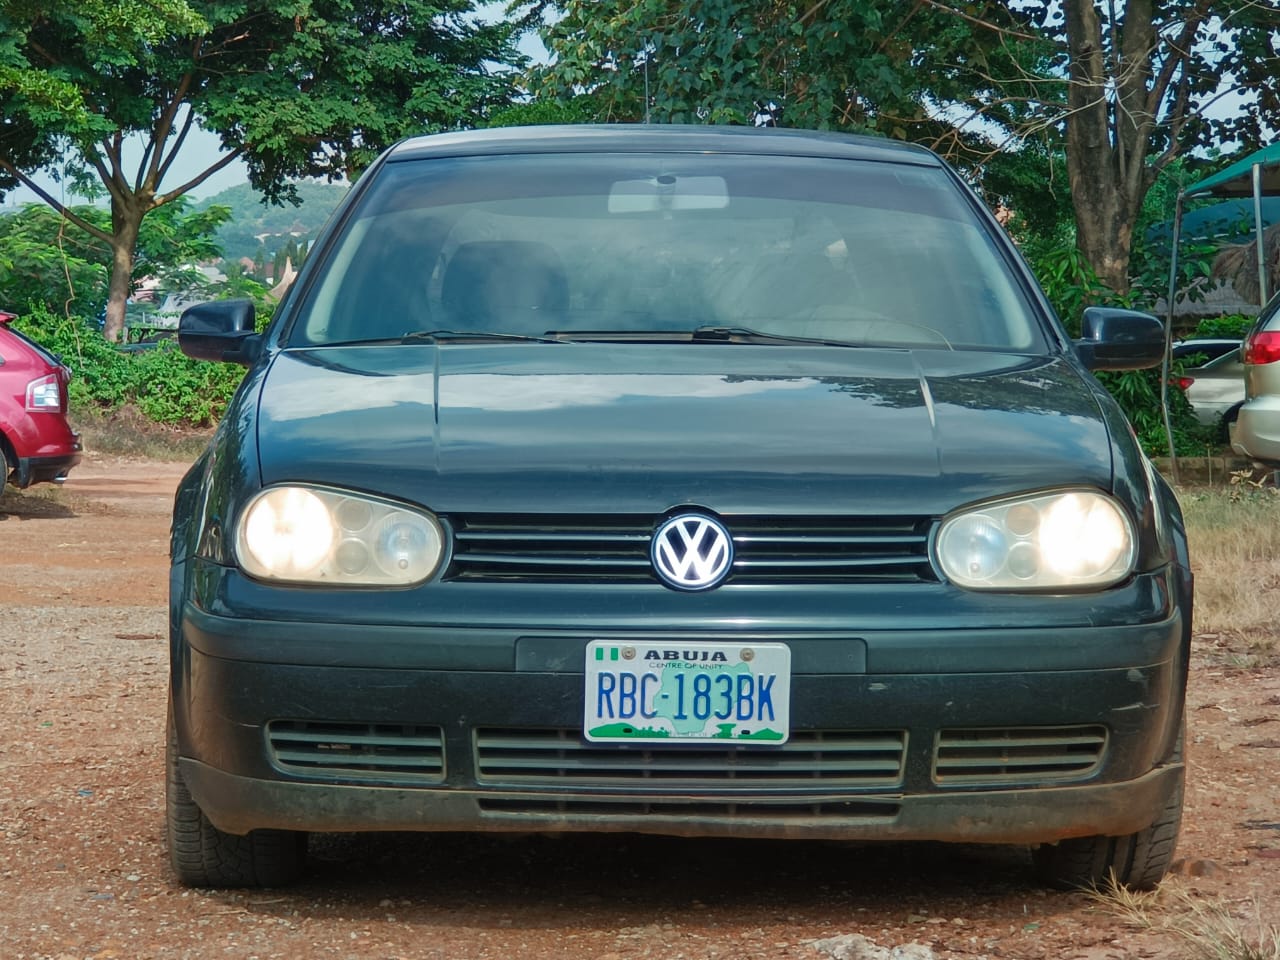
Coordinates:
358 751
1018 756
763 811
809 760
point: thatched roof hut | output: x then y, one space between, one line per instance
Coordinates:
1238 263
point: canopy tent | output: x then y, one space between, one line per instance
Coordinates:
1237 179
1228 221
1255 176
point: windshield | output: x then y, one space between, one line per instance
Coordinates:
667 246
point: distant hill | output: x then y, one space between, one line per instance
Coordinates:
257 226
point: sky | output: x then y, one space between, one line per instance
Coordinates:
202 148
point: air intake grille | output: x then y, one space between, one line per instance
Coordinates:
559 758
550 548
358 751
1019 756
759 810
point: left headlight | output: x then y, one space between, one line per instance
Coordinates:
1075 539
300 534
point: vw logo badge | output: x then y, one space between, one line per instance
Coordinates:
692 552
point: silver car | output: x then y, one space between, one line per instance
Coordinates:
1215 388
1256 432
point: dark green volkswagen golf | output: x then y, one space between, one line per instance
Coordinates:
687 481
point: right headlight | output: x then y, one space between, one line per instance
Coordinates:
313 535
1074 539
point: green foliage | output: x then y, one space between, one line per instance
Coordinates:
1068 280
851 64
170 387
1138 393
41 261
45 259
1071 286
992 85
1225 327
175 237
578 109
1031 183
42 97
315 89
163 383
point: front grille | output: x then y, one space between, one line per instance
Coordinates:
809 760
605 549
358 751
758 810
1018 756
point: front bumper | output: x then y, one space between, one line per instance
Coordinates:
501 711
239 804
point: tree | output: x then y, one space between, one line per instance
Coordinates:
861 64
45 258
43 263
294 90
1140 83
1122 89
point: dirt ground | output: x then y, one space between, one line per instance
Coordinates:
84 874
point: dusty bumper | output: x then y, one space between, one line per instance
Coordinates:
1012 816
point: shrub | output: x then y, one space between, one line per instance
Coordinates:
166 385
1071 286
1232 325
170 387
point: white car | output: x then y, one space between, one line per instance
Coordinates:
1216 388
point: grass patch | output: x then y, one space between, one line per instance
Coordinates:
1209 928
125 431
1234 536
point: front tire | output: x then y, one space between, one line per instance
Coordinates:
204 856
1138 861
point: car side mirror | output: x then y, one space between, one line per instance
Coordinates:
221 330
1114 339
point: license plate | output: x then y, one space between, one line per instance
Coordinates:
652 692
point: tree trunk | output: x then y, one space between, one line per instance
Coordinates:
1104 227
125 222
1108 142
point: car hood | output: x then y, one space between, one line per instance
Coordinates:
641 428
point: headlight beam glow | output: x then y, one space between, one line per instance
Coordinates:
314 535
1077 539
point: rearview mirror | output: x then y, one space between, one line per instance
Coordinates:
668 192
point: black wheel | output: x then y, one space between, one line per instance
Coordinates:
1139 860
1228 418
7 464
204 856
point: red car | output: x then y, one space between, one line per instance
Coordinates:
37 443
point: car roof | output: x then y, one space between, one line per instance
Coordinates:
661 138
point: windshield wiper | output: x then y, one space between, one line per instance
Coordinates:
747 335
705 334
699 334
438 335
